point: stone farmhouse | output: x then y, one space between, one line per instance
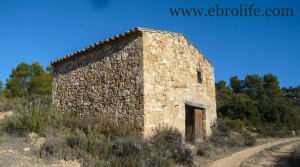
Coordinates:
147 77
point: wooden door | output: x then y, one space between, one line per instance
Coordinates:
198 123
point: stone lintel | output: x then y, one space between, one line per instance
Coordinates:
194 104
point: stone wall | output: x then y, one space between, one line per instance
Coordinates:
145 77
107 82
170 80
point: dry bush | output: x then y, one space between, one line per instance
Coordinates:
96 141
166 148
222 138
205 149
10 104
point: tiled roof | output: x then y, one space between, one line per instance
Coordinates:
105 41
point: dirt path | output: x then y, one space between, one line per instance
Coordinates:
274 156
241 158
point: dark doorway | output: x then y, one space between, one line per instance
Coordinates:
194 123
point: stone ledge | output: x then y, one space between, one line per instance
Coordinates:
194 104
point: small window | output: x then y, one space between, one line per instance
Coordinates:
199 76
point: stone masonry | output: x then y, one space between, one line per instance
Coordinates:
144 76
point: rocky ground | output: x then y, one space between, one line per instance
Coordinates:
19 152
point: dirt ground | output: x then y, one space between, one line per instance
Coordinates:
17 152
273 156
14 152
261 155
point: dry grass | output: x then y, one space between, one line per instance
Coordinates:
95 141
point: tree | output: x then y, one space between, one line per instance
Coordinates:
49 70
258 102
241 107
28 79
253 86
221 86
223 93
236 84
271 85
41 84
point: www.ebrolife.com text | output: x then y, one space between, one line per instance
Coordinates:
240 10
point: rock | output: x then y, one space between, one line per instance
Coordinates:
31 137
11 151
39 142
26 149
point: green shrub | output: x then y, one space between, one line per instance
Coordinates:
58 148
248 138
168 135
45 100
235 140
55 145
157 158
34 119
219 137
205 149
121 148
11 104
232 139
170 140
126 146
268 132
201 152
230 124
183 155
77 139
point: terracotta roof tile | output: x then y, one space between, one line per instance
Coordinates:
108 40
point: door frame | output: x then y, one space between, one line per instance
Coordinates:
190 123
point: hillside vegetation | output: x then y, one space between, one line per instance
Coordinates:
258 103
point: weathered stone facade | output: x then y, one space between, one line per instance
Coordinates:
143 76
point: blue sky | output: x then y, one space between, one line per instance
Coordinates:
44 30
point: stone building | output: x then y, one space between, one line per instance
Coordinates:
147 77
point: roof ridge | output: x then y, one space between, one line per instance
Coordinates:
108 40
154 30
